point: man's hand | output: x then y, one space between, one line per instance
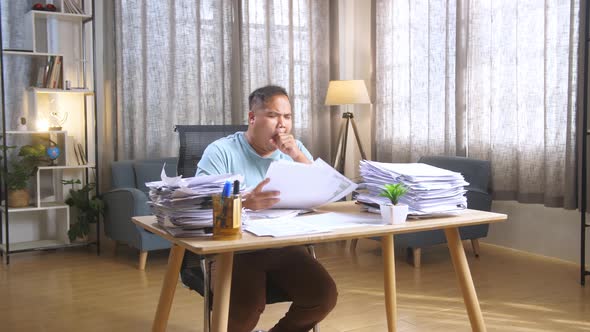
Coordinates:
259 200
288 145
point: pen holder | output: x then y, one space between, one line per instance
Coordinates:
227 217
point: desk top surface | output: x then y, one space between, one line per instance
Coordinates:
204 246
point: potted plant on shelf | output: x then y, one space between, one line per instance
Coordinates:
87 209
394 213
20 170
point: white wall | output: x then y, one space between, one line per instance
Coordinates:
552 232
355 64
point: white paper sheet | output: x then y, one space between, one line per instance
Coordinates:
310 224
304 186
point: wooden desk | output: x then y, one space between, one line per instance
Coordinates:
225 249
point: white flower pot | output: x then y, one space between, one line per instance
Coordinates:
394 214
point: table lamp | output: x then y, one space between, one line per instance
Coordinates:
346 92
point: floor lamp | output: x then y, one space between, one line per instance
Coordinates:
346 93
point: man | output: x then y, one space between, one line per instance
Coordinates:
291 269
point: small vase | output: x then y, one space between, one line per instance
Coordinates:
394 214
18 198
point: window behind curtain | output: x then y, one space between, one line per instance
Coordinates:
173 66
196 62
286 42
516 102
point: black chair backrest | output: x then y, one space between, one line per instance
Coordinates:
194 139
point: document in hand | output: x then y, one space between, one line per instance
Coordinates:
305 186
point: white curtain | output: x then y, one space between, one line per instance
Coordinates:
196 62
507 94
286 42
173 67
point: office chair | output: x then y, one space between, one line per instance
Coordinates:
195 271
194 139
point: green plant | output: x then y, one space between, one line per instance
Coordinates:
88 207
24 165
394 192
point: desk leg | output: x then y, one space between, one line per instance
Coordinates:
464 278
221 291
168 288
389 279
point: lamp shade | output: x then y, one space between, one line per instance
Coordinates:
347 92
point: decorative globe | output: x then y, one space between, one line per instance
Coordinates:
53 152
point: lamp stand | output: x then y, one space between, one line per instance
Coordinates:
340 157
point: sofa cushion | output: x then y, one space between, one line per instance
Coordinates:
150 170
122 174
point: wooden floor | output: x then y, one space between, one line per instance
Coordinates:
75 290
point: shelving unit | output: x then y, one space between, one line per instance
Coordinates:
44 40
47 91
585 135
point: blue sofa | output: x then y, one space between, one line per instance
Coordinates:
128 198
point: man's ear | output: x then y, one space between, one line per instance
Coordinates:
251 117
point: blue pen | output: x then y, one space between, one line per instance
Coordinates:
224 194
226 189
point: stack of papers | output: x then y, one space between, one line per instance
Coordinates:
183 206
309 224
431 190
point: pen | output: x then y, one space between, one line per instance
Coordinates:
236 187
225 194
226 189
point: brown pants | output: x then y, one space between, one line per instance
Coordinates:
296 273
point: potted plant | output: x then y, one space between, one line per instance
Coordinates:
394 213
87 209
20 170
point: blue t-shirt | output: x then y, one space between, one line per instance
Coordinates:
233 154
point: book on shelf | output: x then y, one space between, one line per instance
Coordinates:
80 150
53 72
72 7
75 155
56 74
71 158
48 68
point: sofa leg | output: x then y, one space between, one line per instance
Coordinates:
142 259
475 245
353 244
417 252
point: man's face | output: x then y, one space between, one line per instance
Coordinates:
268 120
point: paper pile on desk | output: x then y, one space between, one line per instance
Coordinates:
431 190
310 224
305 186
183 206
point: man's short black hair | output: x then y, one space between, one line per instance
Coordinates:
263 94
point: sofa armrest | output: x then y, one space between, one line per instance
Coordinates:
120 205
